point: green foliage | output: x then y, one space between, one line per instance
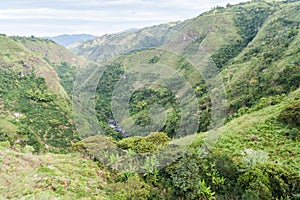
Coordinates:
4 144
50 176
270 181
225 169
270 65
227 52
148 144
39 95
42 119
4 137
137 144
160 139
79 146
28 149
151 169
67 75
262 103
142 100
130 142
248 22
250 195
133 188
155 59
105 89
291 114
190 177
260 66
196 177
205 191
186 177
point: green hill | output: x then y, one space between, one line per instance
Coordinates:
238 65
254 46
35 107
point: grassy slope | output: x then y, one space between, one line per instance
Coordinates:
44 124
19 58
250 73
256 72
105 46
273 137
260 68
49 176
52 119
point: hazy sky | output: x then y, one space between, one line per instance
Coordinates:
97 17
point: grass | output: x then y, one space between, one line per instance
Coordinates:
49 176
273 137
9 127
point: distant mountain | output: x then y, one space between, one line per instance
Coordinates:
131 30
67 40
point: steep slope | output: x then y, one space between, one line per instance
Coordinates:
248 42
270 64
35 107
20 59
255 47
100 48
49 176
259 130
64 62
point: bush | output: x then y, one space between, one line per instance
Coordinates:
250 195
4 145
144 147
270 181
133 188
291 114
160 139
137 144
28 149
129 143
187 175
252 157
148 144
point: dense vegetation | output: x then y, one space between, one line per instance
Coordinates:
256 48
40 119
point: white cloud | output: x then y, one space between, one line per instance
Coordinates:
102 16
88 15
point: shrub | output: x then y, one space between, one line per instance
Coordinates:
187 176
160 139
28 149
270 181
148 144
4 144
291 114
144 147
129 143
133 188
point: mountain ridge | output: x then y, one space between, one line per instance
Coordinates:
68 40
251 153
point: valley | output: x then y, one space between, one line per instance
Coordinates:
206 108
